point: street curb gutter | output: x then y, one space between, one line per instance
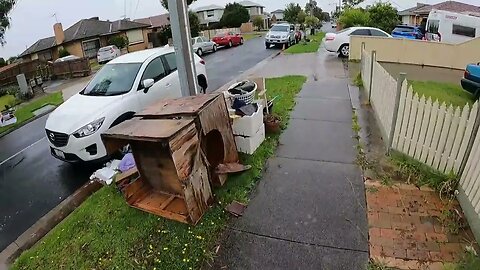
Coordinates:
25 123
46 223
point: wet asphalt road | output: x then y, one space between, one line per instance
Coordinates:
32 182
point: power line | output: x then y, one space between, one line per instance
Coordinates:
136 8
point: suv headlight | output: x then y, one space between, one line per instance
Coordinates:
284 36
89 129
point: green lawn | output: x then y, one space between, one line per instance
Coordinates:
104 233
6 100
25 111
451 94
252 35
309 47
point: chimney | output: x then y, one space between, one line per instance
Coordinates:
59 34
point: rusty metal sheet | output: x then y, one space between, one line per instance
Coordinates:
179 106
147 130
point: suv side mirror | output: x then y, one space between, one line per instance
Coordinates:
147 84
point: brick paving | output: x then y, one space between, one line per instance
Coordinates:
405 229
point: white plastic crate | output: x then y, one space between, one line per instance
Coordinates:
249 145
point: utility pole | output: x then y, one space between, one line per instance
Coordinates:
183 47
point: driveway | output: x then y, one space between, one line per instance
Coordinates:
32 182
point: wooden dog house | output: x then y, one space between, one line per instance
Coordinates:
177 144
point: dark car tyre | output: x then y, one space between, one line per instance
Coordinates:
230 44
214 48
241 41
267 46
199 52
344 50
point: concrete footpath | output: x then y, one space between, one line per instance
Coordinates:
309 210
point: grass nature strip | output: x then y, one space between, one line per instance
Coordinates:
105 233
24 111
309 47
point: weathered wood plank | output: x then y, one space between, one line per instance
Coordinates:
436 134
443 139
424 108
462 123
432 107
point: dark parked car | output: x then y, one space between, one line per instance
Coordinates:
407 31
471 80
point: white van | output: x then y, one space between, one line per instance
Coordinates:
452 27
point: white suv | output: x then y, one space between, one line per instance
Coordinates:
280 34
121 88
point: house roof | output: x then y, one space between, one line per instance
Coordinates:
249 4
452 6
155 21
411 11
209 7
84 29
278 11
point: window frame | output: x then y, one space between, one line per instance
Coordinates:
167 65
375 30
464 28
361 29
156 79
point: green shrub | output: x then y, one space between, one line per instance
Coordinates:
10 90
354 17
119 41
62 52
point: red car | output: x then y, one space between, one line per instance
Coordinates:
228 39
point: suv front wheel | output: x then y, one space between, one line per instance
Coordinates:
267 45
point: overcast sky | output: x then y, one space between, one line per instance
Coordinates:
33 19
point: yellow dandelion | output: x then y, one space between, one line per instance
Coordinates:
165 248
184 260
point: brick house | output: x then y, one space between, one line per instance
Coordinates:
415 15
84 38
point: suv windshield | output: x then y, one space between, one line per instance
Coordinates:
280 28
113 79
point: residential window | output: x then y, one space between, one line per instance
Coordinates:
463 30
91 47
135 36
210 13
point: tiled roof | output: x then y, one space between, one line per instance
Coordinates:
452 6
209 7
155 21
249 4
84 29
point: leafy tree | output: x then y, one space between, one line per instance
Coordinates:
351 3
311 21
165 3
313 9
291 12
62 52
194 23
354 17
119 41
5 8
12 59
2 62
234 15
301 17
383 16
325 16
258 22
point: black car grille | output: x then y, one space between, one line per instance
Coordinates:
56 138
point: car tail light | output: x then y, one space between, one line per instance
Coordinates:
330 38
202 62
466 74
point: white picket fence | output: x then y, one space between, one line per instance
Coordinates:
433 133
